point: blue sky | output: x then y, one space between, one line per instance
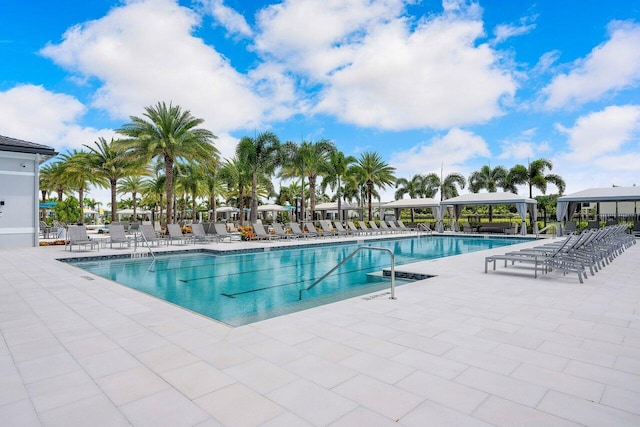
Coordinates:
427 84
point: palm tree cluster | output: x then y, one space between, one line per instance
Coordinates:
165 160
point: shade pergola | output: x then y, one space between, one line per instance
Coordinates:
567 205
421 203
522 204
333 206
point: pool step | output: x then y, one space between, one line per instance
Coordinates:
404 275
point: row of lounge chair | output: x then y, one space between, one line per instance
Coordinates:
217 232
588 251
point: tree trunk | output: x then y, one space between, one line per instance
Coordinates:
339 201
312 196
113 183
81 203
168 170
302 201
241 204
135 205
193 209
253 215
370 199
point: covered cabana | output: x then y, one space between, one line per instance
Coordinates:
273 209
129 212
325 208
522 204
421 203
568 205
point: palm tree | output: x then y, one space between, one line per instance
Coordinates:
293 166
191 182
534 176
417 187
489 179
261 155
108 161
316 160
449 185
171 134
76 172
237 180
372 171
337 171
52 179
154 189
130 184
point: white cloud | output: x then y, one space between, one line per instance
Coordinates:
229 18
144 52
522 147
450 152
546 62
375 70
610 67
602 133
34 114
506 31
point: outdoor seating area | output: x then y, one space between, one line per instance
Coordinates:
589 251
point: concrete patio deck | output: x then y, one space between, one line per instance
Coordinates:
462 348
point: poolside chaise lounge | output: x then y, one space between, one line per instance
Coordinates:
327 228
118 235
149 235
176 235
277 228
222 233
198 234
295 229
261 233
355 230
77 235
375 229
311 229
340 229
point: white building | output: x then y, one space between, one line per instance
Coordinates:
19 163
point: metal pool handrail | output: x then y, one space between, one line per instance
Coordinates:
372 248
144 239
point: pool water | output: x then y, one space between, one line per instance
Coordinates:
238 289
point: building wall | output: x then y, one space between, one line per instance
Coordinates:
18 191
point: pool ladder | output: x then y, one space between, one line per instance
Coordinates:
370 248
146 243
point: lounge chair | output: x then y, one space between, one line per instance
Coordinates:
364 228
176 235
280 232
261 233
403 227
295 228
118 235
327 229
199 235
592 225
77 235
374 227
340 229
384 227
354 230
393 227
149 235
311 229
222 233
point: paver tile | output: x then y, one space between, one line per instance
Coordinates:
95 411
559 381
238 405
133 384
322 372
502 386
377 367
438 415
166 408
311 402
260 375
603 375
391 401
585 412
197 379
502 412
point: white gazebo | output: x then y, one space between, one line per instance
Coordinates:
522 204
567 205
421 203
333 207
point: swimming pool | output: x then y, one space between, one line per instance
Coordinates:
241 288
